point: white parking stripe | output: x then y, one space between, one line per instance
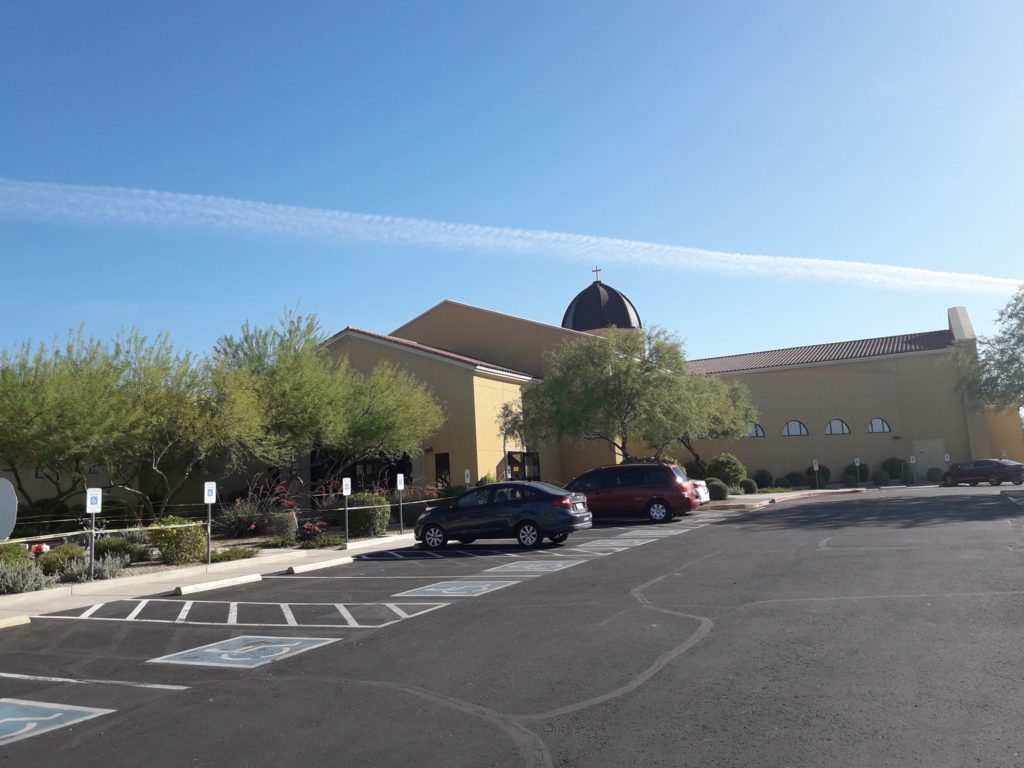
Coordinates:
138 609
347 615
289 617
184 612
90 611
233 613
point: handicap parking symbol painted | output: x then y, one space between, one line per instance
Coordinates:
22 719
534 566
245 651
614 543
456 589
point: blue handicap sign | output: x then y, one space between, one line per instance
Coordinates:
22 719
245 651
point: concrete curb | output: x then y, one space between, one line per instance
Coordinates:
14 621
317 566
203 586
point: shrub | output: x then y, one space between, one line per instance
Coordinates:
178 545
74 571
322 542
893 466
880 477
452 491
850 480
120 546
935 475
820 478
860 474
763 478
13 553
718 490
696 471
110 566
796 478
747 485
232 553
372 521
907 477
488 478
784 482
22 576
59 559
727 468
283 525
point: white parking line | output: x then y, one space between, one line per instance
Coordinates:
87 681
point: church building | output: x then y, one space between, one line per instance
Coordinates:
869 399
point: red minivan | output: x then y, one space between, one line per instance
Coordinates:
658 492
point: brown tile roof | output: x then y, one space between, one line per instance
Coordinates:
417 347
826 353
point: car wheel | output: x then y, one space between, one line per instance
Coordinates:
529 535
1018 482
434 537
973 483
558 538
994 480
949 482
658 512
467 541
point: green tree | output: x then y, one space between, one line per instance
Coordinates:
628 387
312 402
725 411
992 373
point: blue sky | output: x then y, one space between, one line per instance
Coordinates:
189 166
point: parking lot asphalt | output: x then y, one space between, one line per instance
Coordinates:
876 630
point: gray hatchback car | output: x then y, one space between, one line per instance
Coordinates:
526 510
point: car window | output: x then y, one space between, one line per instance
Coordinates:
477 498
588 482
654 476
680 473
627 476
508 494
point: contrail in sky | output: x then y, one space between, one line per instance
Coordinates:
119 206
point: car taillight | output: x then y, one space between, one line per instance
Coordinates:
562 501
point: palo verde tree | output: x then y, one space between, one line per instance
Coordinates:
626 388
139 414
313 402
992 374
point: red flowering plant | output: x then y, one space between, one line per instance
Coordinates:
256 512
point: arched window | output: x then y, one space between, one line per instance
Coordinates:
755 431
879 425
837 427
794 428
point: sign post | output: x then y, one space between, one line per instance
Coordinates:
817 485
93 506
209 496
400 485
346 491
856 463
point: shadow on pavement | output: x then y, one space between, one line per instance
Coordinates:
894 512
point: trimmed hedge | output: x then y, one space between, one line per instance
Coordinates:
368 522
748 485
718 490
820 478
61 559
727 468
178 545
935 474
763 478
880 477
860 474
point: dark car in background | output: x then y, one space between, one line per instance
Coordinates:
991 471
658 492
526 510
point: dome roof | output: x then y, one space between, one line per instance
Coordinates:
600 306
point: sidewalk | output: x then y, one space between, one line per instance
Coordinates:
19 609
757 501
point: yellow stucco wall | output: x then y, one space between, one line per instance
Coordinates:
915 394
1005 434
512 342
